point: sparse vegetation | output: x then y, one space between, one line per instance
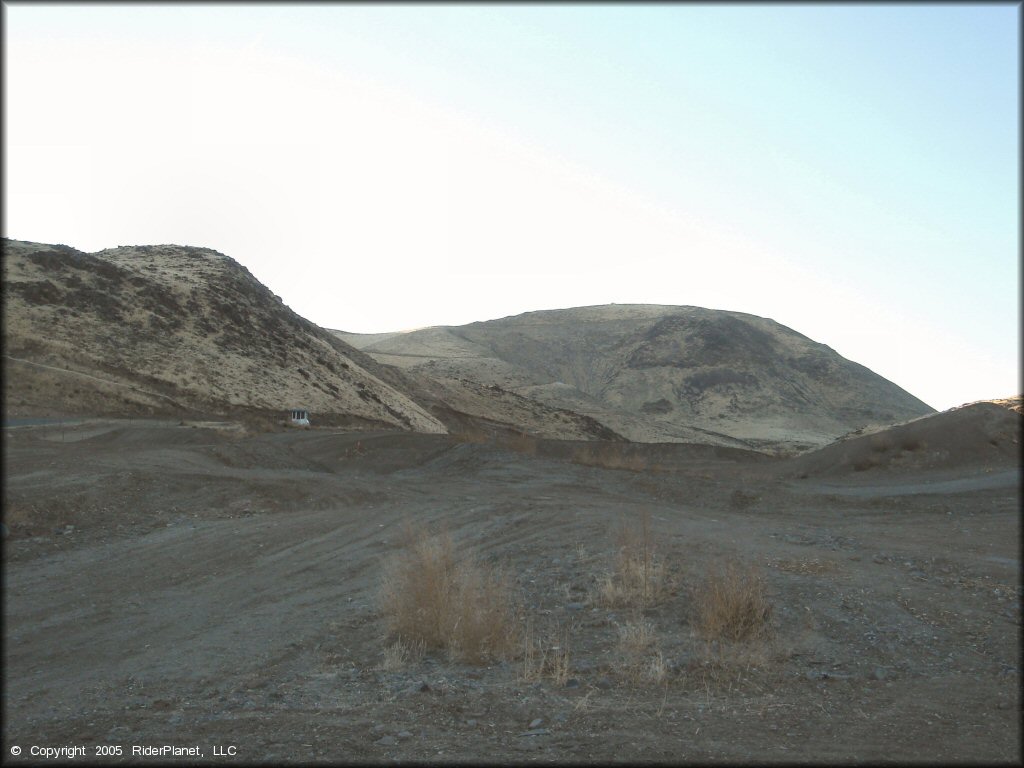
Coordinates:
732 604
442 599
400 653
546 656
813 566
642 657
639 577
866 462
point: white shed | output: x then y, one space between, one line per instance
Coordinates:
299 417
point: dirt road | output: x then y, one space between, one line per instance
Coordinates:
200 586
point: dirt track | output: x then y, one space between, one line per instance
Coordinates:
218 588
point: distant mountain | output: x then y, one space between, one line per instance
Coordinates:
662 373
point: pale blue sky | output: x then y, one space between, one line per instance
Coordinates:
847 170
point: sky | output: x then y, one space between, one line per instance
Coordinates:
850 171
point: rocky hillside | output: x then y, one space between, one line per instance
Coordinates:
662 373
170 329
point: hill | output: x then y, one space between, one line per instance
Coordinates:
657 373
171 329
175 330
983 435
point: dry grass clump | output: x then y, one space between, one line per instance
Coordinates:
643 661
441 599
636 636
545 656
639 578
804 566
732 604
400 653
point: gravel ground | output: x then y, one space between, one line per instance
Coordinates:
206 587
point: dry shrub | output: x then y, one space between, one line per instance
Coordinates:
636 637
911 444
640 577
866 462
545 656
400 653
643 661
880 443
732 604
654 669
443 600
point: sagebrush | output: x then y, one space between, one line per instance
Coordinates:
444 599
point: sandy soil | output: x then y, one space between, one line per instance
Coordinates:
207 586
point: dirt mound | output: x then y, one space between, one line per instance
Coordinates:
980 435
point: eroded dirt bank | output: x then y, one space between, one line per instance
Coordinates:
204 586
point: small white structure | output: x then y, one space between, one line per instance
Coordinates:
300 417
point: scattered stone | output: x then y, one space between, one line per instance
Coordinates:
878 559
604 683
572 682
404 735
574 606
536 732
386 741
377 728
879 673
536 723
471 722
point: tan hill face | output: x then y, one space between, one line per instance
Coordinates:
158 329
663 373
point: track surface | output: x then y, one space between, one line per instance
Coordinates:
205 586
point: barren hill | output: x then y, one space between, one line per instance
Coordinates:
662 373
171 329
174 330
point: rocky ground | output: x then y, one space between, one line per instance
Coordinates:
204 585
